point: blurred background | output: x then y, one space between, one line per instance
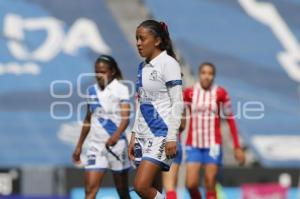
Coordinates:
47 52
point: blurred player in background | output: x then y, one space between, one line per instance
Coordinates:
153 142
208 103
106 120
170 177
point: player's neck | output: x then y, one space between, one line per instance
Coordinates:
154 54
102 87
206 88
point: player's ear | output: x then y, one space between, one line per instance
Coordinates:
113 72
157 42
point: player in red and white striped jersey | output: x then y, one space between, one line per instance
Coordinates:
208 103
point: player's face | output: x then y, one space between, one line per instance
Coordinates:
206 75
103 73
146 42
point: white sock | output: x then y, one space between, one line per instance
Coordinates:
158 195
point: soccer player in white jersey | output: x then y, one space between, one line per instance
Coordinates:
208 103
153 141
106 120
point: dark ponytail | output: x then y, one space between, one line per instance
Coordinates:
113 65
160 29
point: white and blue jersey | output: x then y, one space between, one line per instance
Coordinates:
105 108
157 118
154 111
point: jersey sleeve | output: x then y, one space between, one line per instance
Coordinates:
172 73
175 93
124 94
188 95
225 105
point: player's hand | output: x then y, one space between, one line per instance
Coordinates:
112 141
131 151
240 156
171 149
131 147
76 155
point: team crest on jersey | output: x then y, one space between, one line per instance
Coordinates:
154 75
99 111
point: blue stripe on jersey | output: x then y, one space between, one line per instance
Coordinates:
124 101
92 90
139 82
109 126
93 102
173 83
156 124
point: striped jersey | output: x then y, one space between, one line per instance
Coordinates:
207 108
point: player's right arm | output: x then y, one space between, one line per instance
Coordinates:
134 130
131 147
84 132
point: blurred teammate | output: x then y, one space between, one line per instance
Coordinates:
154 138
105 121
170 177
208 104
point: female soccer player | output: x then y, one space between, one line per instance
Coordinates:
170 178
154 138
105 121
208 104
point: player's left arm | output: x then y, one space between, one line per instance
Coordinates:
182 121
124 114
173 81
228 113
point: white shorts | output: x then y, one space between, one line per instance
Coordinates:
153 150
100 158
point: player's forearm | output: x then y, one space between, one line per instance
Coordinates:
122 127
124 114
175 93
132 138
183 121
84 132
234 132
